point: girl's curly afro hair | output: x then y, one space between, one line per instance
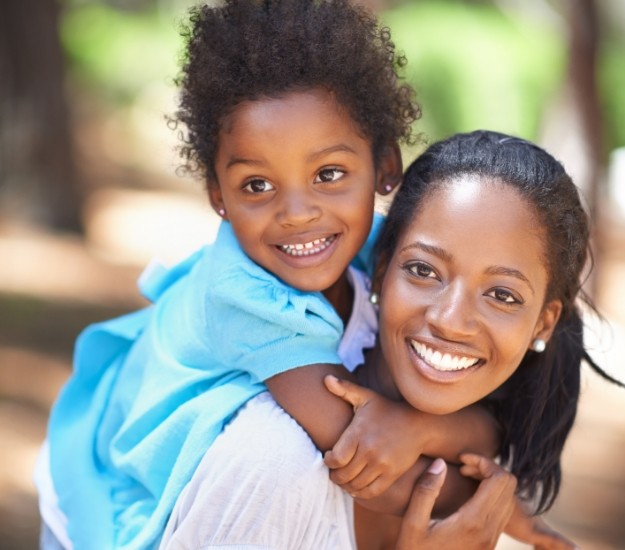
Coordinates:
247 49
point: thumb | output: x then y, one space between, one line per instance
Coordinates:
419 513
355 395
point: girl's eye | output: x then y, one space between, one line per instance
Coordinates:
423 270
505 296
258 186
328 175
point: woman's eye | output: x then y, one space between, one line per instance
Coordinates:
329 175
422 270
258 186
505 296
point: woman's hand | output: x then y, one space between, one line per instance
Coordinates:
478 523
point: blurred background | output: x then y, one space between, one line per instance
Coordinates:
89 190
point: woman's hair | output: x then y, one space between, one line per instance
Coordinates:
249 49
538 409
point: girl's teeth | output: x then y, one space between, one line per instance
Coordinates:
306 249
442 362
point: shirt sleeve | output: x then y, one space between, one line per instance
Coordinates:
265 327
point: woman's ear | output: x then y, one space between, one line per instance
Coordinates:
547 321
389 169
216 199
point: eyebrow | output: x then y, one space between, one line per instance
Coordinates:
240 160
430 249
341 147
509 272
446 256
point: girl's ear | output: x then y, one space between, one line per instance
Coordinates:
548 320
389 169
216 199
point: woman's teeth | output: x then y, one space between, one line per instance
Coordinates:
443 362
306 249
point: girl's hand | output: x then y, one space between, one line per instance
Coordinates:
381 443
535 531
477 524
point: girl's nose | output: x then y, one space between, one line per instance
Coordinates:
297 207
453 314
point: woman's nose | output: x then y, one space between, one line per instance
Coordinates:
453 313
297 207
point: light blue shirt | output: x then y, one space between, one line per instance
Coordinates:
151 390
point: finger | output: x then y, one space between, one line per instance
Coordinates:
484 469
343 452
554 541
347 474
478 466
355 395
495 494
548 538
374 489
426 490
361 481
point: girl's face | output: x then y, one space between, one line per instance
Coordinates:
297 180
463 295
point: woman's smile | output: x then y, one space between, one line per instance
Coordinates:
443 361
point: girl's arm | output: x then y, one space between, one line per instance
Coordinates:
385 439
301 393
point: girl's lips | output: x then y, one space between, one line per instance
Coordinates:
308 254
309 248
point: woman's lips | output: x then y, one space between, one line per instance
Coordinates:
444 362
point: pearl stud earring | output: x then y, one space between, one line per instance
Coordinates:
539 345
374 298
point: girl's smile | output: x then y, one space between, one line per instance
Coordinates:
297 181
463 295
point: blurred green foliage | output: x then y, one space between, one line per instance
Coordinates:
472 64
114 53
476 67
611 80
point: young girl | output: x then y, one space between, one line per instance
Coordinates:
293 110
482 256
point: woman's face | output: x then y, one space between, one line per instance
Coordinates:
463 295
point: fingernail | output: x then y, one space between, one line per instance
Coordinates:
436 467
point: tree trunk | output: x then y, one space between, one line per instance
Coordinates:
38 181
582 74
